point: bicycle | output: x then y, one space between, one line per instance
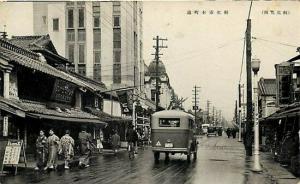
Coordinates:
131 150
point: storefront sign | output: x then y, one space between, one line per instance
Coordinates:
5 126
63 91
126 101
13 150
12 153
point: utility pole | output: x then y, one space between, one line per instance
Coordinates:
157 56
213 116
207 108
240 115
249 122
196 101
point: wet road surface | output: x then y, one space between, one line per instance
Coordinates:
220 160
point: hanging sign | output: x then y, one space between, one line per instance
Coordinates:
63 91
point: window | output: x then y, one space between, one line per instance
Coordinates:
81 35
116 21
96 14
97 45
117 38
117 56
55 24
81 17
71 52
71 35
116 7
97 57
70 3
97 72
80 3
81 50
81 70
169 122
70 18
97 39
117 73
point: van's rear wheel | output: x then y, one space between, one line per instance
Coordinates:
156 156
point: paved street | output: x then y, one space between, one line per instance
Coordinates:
220 160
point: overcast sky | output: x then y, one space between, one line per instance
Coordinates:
203 50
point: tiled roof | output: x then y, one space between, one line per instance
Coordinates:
37 109
33 42
267 87
31 60
41 43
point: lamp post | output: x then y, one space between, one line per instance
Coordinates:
255 68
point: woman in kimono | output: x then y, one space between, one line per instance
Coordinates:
53 145
67 144
41 151
85 147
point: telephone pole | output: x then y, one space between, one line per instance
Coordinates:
249 122
158 46
195 101
207 108
240 115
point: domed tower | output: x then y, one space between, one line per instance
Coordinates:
152 69
163 82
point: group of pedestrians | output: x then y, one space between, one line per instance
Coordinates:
231 132
48 149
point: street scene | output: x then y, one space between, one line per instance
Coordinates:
150 92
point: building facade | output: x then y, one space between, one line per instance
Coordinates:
102 39
266 97
166 91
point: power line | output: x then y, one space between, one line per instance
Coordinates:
276 42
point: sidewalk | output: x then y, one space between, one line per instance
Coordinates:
273 169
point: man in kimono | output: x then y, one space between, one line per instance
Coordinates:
85 140
67 144
41 151
115 140
53 144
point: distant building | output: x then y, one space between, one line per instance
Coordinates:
267 97
166 91
102 39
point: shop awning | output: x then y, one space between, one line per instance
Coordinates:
40 111
286 112
60 118
107 117
12 110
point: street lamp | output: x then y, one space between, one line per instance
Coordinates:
255 68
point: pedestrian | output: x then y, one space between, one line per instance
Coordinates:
131 136
115 140
228 132
85 140
233 132
53 145
41 151
67 148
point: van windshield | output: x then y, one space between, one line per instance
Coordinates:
169 122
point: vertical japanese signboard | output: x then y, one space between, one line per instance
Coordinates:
126 100
284 82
